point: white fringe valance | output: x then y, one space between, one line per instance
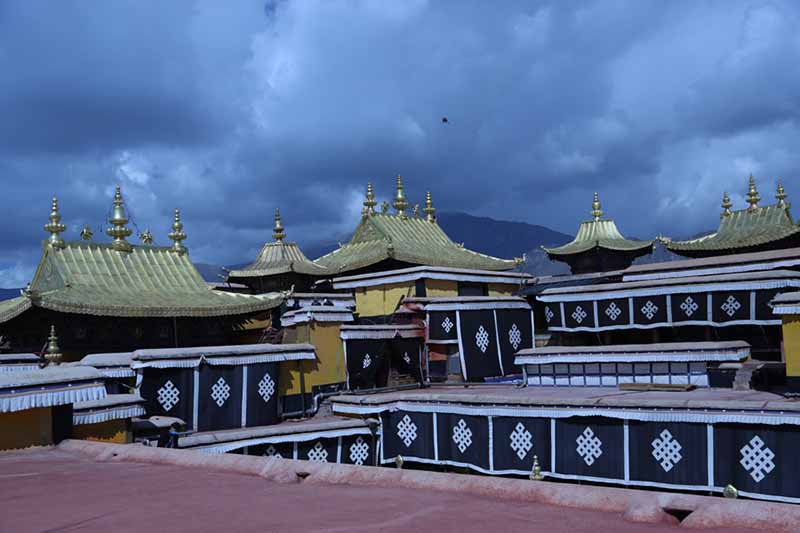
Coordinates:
476 306
278 439
32 399
18 368
382 334
104 415
225 361
117 372
655 357
752 267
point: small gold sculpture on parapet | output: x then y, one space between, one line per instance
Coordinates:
53 352
399 462
536 473
730 492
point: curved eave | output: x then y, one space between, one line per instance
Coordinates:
714 243
14 307
574 248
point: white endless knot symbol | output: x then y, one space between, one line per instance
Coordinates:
667 450
689 306
318 453
548 314
579 315
359 451
731 305
612 311
266 388
515 336
521 441
757 459
407 358
462 435
168 395
482 339
272 452
220 392
649 310
407 431
366 361
589 446
447 324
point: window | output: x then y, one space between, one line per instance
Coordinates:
472 289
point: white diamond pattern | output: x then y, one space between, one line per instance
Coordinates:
590 448
482 339
757 459
359 451
407 430
689 306
521 441
220 392
447 324
649 310
613 311
318 453
548 314
515 336
462 435
366 361
168 395
266 388
272 452
579 315
667 450
731 305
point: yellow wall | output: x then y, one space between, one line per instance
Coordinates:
382 299
32 427
115 431
791 344
441 287
329 366
502 289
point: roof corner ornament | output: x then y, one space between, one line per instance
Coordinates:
52 352
400 203
369 203
146 237
86 233
752 194
519 261
596 211
415 211
277 231
385 207
781 196
118 230
177 235
726 205
430 212
55 227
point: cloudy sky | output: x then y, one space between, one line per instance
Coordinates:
230 109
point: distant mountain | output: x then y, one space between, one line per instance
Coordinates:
7 294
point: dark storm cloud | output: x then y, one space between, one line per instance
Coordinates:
229 110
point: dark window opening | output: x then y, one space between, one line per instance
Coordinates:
472 289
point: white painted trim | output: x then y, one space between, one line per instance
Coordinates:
194 362
776 322
490 438
196 399
460 346
553 445
381 334
769 265
435 437
626 453
427 274
226 447
710 453
244 396
476 306
786 309
629 357
497 339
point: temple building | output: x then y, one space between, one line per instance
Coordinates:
389 241
279 266
599 246
117 296
754 229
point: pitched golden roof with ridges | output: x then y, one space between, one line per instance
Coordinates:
279 258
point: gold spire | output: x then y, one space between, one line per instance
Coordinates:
415 211
177 235
370 203
781 195
118 231
596 211
146 237
54 227
86 233
726 205
53 351
400 203
430 212
752 194
277 232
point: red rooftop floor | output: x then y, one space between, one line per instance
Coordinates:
55 490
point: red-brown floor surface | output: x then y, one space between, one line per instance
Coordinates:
51 490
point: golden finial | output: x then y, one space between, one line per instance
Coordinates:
118 231
400 203
54 227
385 207
726 205
596 211
370 203
730 492
52 353
781 196
399 461
752 194
430 212
177 235
86 233
277 232
146 237
415 211
536 472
